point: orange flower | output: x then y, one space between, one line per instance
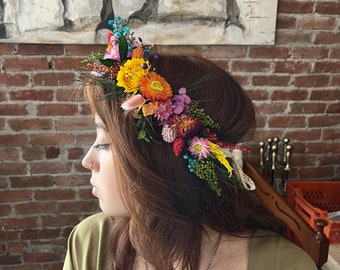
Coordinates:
155 87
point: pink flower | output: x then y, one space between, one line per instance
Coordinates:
112 50
199 147
169 134
164 110
181 102
133 102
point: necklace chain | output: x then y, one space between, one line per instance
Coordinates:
218 242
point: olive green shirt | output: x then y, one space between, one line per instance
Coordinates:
87 249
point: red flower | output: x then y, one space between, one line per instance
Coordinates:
178 145
188 127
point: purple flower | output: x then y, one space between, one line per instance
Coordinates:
181 102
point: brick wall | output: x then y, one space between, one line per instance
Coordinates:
44 133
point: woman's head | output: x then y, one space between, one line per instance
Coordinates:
150 174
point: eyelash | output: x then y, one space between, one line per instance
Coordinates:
104 146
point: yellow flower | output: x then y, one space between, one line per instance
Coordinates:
219 155
130 74
155 87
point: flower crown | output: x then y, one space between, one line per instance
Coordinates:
125 67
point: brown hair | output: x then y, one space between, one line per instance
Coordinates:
168 204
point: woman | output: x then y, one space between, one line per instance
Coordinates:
172 195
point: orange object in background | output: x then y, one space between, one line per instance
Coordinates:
315 200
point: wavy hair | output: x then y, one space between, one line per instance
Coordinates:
167 204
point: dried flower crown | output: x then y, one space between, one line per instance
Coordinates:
126 68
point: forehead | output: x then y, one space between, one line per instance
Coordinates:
99 123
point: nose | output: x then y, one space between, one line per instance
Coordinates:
86 161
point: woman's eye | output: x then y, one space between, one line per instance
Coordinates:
102 146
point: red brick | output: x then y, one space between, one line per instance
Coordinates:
271 80
284 121
84 206
284 37
5 210
9 80
315 148
309 52
68 94
85 139
60 220
7 48
291 67
75 153
254 66
72 180
307 108
85 194
317 22
218 51
30 124
23 64
271 108
74 124
327 67
324 94
18 223
332 7
56 109
50 167
327 38
31 181
15 139
181 50
295 94
41 49
257 94
332 148
335 53
32 153
51 139
45 233
9 154
14 195
13 109
324 121
334 108
331 134
83 49
52 152
10 259
268 52
35 208
335 80
16 247
13 168
53 79
223 64
315 172
41 257
295 7
311 81
36 95
68 63
54 194
285 22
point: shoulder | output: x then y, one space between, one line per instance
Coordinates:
95 224
274 252
87 244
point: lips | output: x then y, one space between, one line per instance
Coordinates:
94 191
